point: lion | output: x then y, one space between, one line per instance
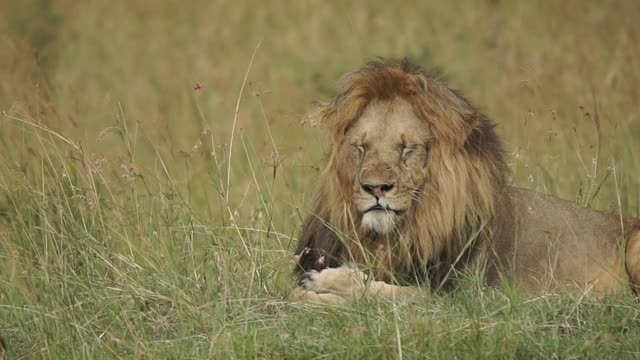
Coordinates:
415 192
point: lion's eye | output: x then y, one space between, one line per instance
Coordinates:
406 150
360 148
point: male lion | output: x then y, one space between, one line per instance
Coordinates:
415 191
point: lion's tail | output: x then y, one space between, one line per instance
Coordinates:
632 253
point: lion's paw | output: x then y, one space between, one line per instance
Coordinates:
300 294
345 281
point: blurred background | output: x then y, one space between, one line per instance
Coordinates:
165 136
552 75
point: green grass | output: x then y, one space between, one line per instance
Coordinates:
128 229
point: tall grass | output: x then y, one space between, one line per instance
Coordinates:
153 175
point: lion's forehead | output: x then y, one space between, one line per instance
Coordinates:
388 123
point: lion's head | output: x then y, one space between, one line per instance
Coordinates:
413 174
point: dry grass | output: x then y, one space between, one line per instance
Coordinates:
136 222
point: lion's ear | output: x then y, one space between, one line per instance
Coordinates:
470 118
324 115
317 115
474 120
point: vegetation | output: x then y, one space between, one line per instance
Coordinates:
153 175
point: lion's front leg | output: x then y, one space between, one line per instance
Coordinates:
301 294
346 283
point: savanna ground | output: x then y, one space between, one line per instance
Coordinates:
153 175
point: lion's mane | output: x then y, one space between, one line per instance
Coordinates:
455 213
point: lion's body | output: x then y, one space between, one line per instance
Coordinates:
416 188
544 243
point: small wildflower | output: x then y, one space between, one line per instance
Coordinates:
197 146
130 173
96 164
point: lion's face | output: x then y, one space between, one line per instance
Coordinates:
387 152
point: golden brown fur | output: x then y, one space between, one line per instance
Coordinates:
460 214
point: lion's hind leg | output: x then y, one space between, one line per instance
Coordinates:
632 254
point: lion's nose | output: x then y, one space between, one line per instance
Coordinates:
377 190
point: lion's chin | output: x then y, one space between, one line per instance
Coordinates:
381 222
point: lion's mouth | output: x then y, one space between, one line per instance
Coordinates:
378 207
